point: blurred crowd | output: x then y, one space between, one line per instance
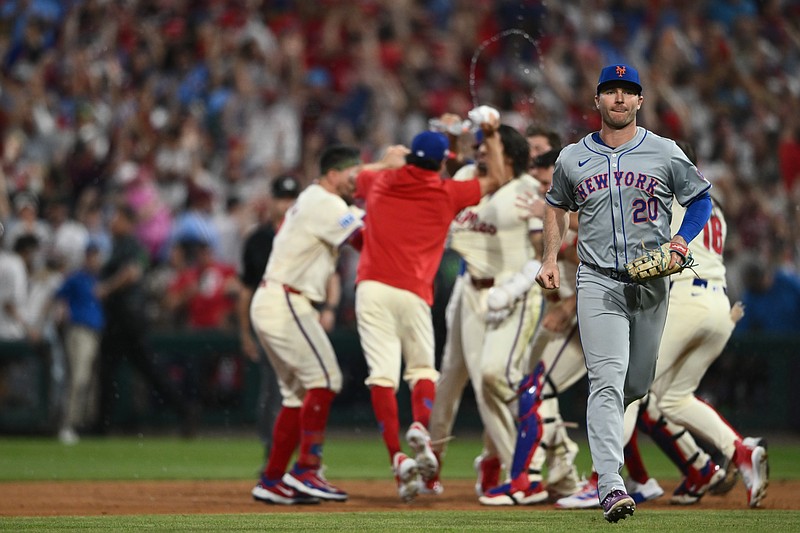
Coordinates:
186 111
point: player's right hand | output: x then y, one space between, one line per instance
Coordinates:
394 157
530 206
557 319
737 312
548 276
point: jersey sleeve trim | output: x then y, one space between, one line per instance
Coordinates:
560 206
698 196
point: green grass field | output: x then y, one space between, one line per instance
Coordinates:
488 521
348 456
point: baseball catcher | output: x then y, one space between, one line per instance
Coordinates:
659 263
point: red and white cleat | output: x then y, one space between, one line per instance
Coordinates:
754 468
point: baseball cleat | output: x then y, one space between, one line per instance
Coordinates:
727 483
488 470
617 505
697 483
753 465
406 473
311 482
752 442
507 494
279 492
586 498
420 441
432 486
642 492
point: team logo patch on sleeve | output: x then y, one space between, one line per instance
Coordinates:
347 220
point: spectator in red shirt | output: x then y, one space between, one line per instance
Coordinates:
789 160
206 289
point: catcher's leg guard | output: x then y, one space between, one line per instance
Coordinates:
529 432
562 475
556 449
543 451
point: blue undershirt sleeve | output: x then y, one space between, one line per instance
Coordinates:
696 216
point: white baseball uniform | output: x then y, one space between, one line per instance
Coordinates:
561 354
494 242
303 257
697 329
561 351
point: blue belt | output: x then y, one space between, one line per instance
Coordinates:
700 282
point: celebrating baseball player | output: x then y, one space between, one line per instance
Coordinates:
496 244
409 212
622 180
303 258
554 364
693 339
556 343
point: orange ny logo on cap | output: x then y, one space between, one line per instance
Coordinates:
620 71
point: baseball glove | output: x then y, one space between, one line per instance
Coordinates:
655 263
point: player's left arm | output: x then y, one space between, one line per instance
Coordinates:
690 188
697 214
495 178
334 222
502 298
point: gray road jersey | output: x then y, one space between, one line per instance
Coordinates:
624 194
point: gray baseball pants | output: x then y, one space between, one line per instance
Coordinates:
620 327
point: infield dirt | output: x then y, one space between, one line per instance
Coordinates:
85 498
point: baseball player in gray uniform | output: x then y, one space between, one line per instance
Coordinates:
621 180
699 323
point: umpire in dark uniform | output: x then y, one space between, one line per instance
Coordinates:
257 249
124 336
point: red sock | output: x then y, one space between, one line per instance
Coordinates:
384 405
422 396
633 461
313 418
285 437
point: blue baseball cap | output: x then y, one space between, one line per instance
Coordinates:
430 145
619 73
